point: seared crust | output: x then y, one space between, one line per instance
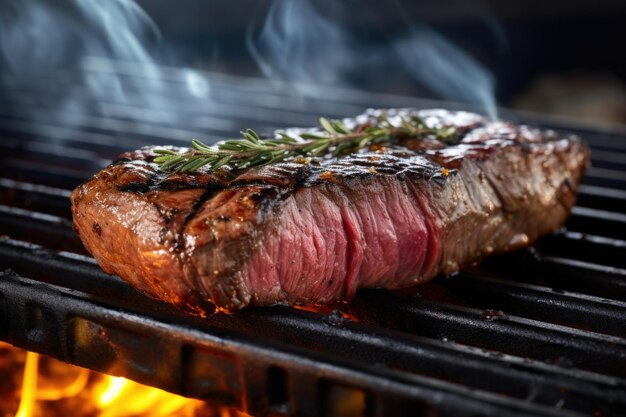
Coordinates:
191 238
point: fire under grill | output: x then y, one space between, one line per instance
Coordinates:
537 332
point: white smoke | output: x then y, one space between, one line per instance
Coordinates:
445 68
97 58
298 44
103 51
302 42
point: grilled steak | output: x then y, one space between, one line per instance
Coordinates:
304 232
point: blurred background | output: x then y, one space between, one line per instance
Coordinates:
563 58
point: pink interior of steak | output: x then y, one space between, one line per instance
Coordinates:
326 243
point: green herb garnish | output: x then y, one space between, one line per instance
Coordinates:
334 138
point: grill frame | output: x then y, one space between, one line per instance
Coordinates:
432 351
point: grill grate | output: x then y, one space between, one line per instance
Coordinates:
537 332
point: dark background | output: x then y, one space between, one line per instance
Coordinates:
563 57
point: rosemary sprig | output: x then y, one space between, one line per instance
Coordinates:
334 138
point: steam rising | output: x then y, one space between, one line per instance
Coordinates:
91 45
446 69
300 42
98 56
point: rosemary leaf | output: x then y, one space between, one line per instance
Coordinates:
335 136
327 125
165 152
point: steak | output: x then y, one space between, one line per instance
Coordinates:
315 231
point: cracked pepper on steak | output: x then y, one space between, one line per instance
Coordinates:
313 232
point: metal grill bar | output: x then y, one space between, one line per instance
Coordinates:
35 197
590 248
44 259
385 388
438 361
570 309
40 228
31 259
601 197
505 334
561 274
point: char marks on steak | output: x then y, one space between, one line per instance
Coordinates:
303 232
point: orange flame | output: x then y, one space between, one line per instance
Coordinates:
29 385
120 397
110 396
70 390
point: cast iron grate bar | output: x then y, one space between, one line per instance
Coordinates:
35 197
38 227
478 290
561 274
82 318
84 273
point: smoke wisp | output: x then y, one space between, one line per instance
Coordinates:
90 57
302 42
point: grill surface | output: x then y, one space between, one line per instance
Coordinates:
537 332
